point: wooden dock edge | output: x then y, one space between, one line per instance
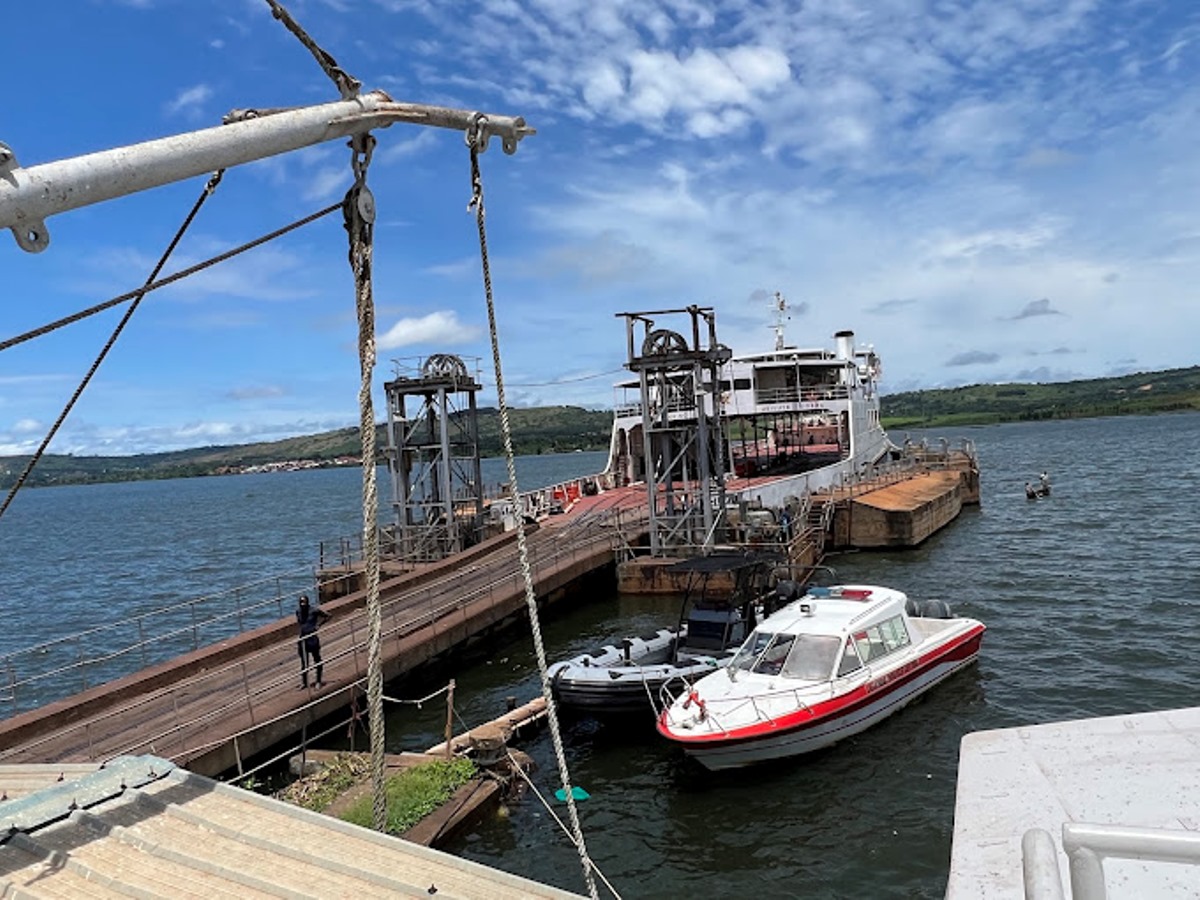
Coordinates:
34 723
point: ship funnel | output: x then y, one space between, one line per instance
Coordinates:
845 344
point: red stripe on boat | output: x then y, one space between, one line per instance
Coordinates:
962 648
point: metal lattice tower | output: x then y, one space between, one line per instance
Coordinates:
682 427
433 458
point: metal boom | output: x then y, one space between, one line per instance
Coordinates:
30 195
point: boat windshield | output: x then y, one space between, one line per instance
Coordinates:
807 657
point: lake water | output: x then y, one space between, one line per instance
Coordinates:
1088 595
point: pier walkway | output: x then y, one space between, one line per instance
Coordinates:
213 708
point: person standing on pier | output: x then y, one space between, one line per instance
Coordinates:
309 643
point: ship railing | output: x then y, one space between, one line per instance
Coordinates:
37 674
1087 846
180 720
51 670
794 394
728 708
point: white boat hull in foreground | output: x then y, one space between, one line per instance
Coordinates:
847 659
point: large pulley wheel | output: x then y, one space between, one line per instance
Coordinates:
664 342
444 365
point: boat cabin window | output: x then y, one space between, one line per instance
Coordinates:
808 657
880 640
895 634
850 661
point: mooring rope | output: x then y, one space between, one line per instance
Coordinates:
359 209
209 187
516 767
475 137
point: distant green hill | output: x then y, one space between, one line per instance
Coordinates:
981 404
552 429
546 429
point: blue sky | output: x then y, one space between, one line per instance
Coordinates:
984 191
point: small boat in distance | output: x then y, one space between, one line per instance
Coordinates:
1041 489
823 668
727 595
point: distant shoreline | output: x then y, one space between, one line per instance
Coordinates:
564 429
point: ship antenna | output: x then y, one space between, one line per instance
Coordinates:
781 316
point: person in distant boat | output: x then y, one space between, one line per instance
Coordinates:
309 643
1030 492
1044 478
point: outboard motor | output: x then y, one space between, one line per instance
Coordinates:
787 590
936 609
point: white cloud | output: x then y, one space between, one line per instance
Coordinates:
438 328
190 101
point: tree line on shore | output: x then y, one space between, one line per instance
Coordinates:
558 429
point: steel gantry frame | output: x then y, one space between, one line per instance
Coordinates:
433 457
683 432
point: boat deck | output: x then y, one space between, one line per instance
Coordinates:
1135 771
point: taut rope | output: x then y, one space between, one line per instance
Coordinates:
473 141
359 209
211 186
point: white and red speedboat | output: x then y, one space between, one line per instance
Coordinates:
822 668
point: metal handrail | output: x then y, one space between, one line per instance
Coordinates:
590 531
1087 846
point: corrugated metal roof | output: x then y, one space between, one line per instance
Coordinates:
141 827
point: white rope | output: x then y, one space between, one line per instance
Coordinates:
359 212
417 703
474 136
533 787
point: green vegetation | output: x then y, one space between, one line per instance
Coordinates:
318 790
547 429
556 429
984 404
414 794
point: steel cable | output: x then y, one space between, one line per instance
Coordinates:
209 187
170 279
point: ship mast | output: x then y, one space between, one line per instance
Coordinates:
781 317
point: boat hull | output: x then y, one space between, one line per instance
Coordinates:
631 691
842 722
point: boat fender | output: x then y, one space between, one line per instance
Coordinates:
912 607
694 697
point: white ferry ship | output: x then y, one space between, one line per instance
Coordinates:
796 420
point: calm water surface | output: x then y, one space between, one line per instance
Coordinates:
1089 596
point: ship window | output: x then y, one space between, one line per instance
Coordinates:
895 635
741 384
850 660
811 657
870 644
751 650
764 653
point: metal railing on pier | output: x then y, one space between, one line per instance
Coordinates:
53 669
179 721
